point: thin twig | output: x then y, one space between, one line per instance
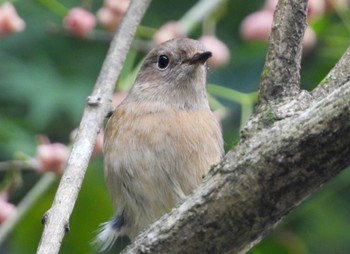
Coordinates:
27 202
197 14
56 220
17 164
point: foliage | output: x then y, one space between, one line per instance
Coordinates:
46 75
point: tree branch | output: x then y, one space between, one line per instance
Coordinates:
337 77
293 144
258 183
281 73
56 220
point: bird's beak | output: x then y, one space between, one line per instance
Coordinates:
200 58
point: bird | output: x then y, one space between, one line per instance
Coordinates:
161 140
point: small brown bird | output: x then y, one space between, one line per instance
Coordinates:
161 140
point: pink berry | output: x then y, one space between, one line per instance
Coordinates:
310 39
316 8
169 30
79 21
51 157
257 26
10 22
117 5
98 144
109 19
221 53
111 13
6 208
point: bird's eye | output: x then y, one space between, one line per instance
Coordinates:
163 62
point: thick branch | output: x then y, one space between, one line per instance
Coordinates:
56 220
294 143
281 74
337 77
260 181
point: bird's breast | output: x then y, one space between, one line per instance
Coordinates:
159 155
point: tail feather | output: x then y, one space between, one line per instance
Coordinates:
109 232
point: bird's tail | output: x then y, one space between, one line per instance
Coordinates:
109 232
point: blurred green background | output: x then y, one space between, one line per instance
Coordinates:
45 78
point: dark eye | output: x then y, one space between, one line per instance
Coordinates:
163 62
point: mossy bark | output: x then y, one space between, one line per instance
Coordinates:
295 142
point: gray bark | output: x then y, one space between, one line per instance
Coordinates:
258 183
294 143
